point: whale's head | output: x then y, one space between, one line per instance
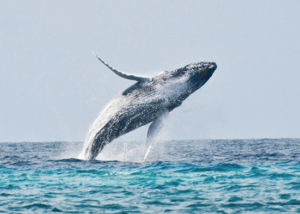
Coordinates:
199 73
195 74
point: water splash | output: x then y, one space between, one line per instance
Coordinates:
108 112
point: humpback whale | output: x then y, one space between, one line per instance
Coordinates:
146 101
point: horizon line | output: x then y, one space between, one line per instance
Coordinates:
202 139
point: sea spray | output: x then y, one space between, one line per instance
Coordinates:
105 115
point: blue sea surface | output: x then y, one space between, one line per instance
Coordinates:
192 176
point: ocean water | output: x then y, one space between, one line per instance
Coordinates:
192 176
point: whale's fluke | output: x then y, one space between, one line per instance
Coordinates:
124 75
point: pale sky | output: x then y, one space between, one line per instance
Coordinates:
52 87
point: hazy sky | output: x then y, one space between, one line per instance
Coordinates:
52 87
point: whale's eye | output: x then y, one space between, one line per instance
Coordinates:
201 71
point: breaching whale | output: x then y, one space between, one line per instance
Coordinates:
146 101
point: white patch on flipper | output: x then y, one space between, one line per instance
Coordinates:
153 132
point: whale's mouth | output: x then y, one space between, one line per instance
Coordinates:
212 66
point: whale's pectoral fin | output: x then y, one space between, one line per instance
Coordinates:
153 131
124 75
